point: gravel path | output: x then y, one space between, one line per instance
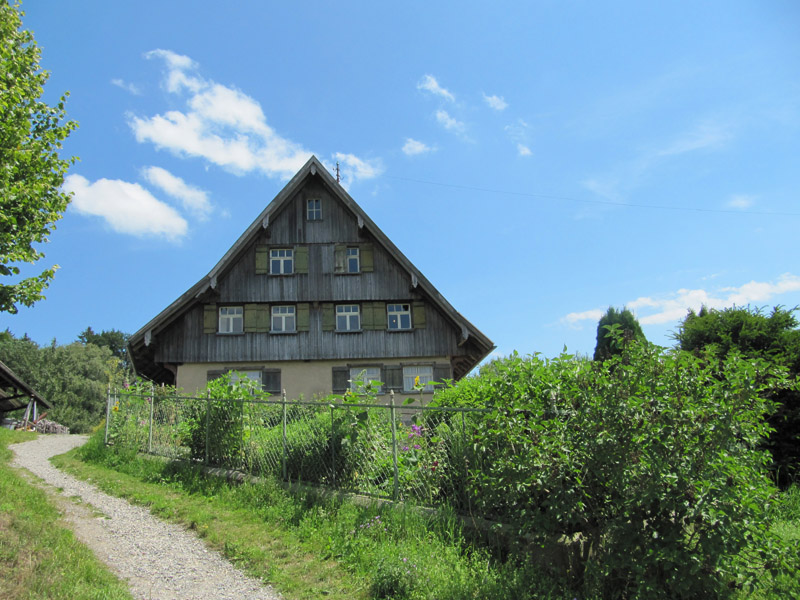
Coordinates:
158 560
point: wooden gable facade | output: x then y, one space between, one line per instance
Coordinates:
310 291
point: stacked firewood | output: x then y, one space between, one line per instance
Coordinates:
45 426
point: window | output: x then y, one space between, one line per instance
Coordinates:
399 316
361 377
314 209
281 261
348 317
353 260
283 319
410 374
231 319
237 376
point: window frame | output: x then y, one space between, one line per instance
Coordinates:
230 319
347 316
348 257
399 315
277 312
354 375
314 212
282 260
410 372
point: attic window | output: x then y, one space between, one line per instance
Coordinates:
399 316
314 209
231 319
281 261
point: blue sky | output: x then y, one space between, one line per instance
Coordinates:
537 161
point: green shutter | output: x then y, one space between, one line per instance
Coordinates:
262 260
328 317
301 259
262 318
302 317
210 318
374 316
367 262
339 254
256 318
251 318
418 315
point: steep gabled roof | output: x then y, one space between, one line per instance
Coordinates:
139 344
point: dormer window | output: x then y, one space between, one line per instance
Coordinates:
314 209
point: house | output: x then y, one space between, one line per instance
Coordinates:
312 295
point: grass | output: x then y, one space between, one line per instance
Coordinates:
307 546
39 556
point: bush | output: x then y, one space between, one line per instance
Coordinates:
643 473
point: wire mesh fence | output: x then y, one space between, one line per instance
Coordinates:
418 453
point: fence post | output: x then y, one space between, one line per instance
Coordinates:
283 456
208 418
395 489
333 450
150 428
108 410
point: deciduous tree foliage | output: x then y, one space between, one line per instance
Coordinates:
644 472
31 172
113 339
752 333
609 345
72 377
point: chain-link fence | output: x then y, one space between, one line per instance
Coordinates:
388 451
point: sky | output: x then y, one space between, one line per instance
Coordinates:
538 161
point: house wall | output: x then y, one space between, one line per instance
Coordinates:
298 378
185 342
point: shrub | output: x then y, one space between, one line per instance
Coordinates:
643 473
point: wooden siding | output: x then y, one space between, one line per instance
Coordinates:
185 341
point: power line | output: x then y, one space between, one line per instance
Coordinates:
601 202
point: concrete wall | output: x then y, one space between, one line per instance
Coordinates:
309 379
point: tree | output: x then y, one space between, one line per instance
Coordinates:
31 172
73 378
113 339
753 334
609 345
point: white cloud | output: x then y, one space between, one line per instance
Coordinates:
517 132
413 147
704 135
222 125
674 306
445 120
126 207
128 87
741 201
353 168
626 176
430 84
574 318
495 102
193 199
